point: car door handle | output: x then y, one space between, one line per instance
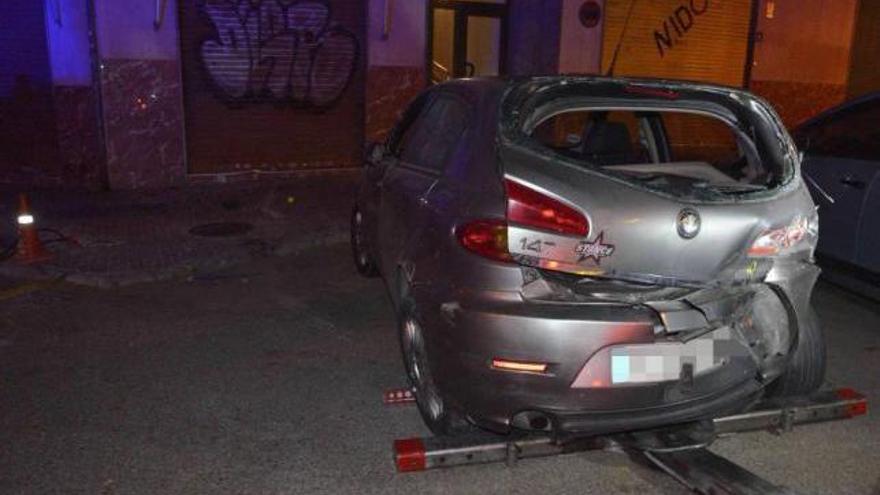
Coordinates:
850 181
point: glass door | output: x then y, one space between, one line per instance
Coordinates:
483 46
468 38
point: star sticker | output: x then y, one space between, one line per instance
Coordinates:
595 250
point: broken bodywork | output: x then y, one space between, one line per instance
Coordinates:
595 255
730 293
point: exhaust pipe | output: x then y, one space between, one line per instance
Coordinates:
532 420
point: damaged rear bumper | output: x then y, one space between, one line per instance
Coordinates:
752 328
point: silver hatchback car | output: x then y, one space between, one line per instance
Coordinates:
591 255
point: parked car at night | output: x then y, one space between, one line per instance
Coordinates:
841 163
590 255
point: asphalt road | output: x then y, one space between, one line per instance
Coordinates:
268 379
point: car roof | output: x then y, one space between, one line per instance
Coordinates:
839 108
487 89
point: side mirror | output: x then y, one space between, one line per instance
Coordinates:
375 153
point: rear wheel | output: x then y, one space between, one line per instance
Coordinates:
806 370
363 259
440 417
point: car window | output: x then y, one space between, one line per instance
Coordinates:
431 139
697 138
407 121
603 137
852 133
625 137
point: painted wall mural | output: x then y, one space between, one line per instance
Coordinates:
282 51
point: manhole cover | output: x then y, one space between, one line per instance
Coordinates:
221 229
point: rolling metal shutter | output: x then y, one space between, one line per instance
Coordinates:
272 85
698 40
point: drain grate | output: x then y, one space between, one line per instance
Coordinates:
221 229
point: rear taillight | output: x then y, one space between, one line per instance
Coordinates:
526 207
530 208
777 242
485 237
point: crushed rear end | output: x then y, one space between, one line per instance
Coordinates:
654 290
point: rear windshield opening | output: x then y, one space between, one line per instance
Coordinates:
677 151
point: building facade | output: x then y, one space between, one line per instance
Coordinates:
139 94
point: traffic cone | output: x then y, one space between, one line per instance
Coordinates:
30 249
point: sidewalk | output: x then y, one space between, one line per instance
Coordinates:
123 238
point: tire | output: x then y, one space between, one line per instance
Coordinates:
363 259
439 416
806 369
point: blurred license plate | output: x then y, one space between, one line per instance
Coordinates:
661 361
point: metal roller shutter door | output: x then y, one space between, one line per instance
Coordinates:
699 40
272 85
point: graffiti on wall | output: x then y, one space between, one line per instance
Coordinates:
281 51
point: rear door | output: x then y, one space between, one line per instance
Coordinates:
376 174
422 150
868 251
840 164
869 235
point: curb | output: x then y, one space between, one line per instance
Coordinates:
110 280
